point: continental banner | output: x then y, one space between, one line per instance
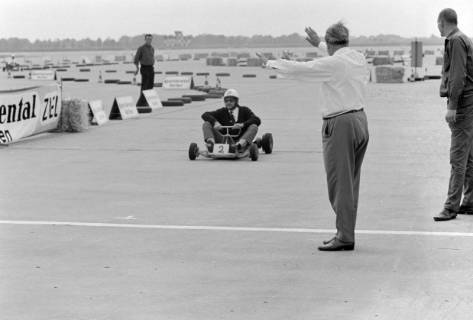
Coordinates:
25 112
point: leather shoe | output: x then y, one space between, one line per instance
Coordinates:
445 215
337 245
465 210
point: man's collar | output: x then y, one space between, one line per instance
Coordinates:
452 33
341 51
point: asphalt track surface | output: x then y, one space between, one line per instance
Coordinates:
117 223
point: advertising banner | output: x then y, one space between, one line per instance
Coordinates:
29 111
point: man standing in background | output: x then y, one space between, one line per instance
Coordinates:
144 62
457 87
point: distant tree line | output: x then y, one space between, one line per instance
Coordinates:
202 41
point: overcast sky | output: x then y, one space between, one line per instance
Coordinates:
51 19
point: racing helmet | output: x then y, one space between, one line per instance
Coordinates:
231 93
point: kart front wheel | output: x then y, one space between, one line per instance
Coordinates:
254 152
193 151
267 143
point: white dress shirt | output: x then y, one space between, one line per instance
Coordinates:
342 77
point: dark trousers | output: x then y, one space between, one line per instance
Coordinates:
461 161
209 132
345 140
147 82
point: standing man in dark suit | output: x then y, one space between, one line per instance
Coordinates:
457 87
241 118
144 62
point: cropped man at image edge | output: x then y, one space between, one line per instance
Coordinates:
343 77
457 87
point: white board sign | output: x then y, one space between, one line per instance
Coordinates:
152 97
96 107
177 83
123 108
43 75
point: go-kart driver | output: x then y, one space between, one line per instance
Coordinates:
244 121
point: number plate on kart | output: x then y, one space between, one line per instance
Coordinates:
221 148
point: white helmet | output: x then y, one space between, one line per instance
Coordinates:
231 93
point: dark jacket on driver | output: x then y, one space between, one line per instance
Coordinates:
222 115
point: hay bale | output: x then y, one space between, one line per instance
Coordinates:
222 74
124 82
130 71
382 60
202 74
187 73
172 72
232 62
249 76
84 70
110 71
243 55
19 76
74 116
389 74
67 79
273 76
81 80
255 62
215 61
198 56
383 52
185 56
158 85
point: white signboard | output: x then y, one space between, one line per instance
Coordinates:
43 75
123 108
152 97
96 107
177 83
29 111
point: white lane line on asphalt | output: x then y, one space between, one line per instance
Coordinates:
222 228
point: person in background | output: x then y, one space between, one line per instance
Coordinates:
144 62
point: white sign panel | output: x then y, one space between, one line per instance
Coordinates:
96 107
127 107
29 111
177 83
152 97
43 75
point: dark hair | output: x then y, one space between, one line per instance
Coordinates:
449 16
148 35
337 34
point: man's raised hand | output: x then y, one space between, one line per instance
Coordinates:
312 37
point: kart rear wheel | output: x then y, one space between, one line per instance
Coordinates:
193 151
267 143
254 152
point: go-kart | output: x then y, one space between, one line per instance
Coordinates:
227 150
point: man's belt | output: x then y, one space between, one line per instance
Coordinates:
342 113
